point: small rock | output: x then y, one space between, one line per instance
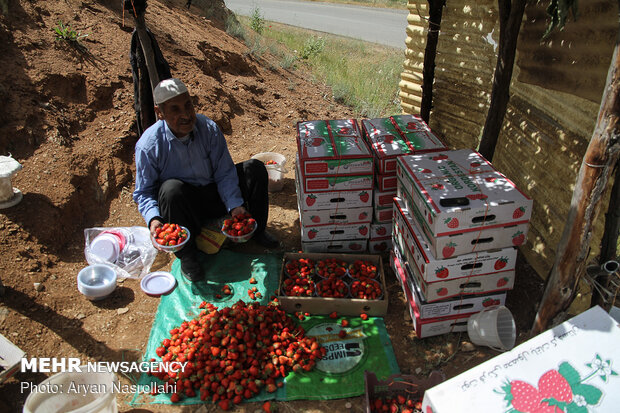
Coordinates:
81 316
467 347
122 310
348 405
38 286
418 370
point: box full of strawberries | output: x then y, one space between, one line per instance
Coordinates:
323 283
399 392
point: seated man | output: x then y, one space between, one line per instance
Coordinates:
185 175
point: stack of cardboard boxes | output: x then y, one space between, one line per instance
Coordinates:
390 138
334 178
457 222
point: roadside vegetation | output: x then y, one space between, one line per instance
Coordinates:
361 75
392 4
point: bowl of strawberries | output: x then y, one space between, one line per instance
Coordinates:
239 228
170 237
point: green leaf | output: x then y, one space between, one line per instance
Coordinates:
590 393
553 402
569 373
573 408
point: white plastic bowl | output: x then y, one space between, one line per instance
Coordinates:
171 248
97 281
275 172
241 238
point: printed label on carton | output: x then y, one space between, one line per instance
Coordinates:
418 253
383 215
353 245
335 232
460 190
384 198
337 183
386 182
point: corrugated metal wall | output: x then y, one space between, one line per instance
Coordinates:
555 95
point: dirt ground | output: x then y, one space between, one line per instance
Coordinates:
68 118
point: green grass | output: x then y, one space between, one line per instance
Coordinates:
362 75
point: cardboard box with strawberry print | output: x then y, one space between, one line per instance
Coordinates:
418 253
570 368
460 190
332 148
466 241
379 245
335 232
398 135
383 215
336 216
474 285
464 305
380 229
313 201
428 327
384 198
337 246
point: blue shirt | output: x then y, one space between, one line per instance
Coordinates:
201 161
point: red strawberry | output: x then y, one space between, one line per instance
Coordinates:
437 186
333 315
502 282
364 196
363 215
439 157
364 316
518 238
451 222
224 404
448 250
363 230
174 397
442 291
315 218
312 233
267 407
342 334
488 302
310 200
381 231
253 280
553 384
442 272
344 322
519 212
525 397
501 263
429 409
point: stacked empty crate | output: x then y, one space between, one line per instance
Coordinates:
334 178
390 138
457 222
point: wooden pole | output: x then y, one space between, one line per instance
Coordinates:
430 52
147 49
510 18
596 168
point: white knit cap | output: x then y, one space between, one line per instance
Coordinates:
168 89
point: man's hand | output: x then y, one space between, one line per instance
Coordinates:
155 223
238 211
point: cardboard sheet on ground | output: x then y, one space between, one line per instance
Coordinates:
340 374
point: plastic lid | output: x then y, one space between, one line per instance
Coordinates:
106 247
158 283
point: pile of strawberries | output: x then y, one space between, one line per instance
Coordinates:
331 267
366 289
299 282
235 352
360 268
397 404
170 234
239 225
332 287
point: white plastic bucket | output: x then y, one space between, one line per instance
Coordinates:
59 398
493 327
276 183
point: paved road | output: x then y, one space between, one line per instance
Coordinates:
383 26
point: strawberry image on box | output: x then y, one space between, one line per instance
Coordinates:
398 135
332 148
418 252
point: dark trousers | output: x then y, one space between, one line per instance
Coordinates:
190 206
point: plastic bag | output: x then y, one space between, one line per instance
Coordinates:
135 258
